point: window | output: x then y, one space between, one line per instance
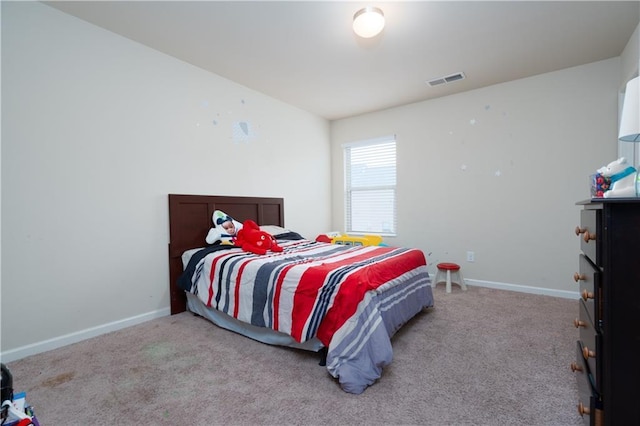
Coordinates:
370 186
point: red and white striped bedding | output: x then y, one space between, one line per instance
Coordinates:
309 289
318 290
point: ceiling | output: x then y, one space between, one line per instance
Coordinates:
306 54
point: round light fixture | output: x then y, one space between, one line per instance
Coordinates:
368 22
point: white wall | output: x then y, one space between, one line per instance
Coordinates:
497 171
96 131
630 58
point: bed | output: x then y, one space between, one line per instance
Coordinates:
344 302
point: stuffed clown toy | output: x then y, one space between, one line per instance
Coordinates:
225 229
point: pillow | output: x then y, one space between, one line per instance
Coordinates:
274 229
224 228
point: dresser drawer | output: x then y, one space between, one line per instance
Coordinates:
587 397
588 233
590 289
589 340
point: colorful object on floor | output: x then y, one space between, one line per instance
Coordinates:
255 241
15 411
448 273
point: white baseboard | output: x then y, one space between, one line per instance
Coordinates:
78 336
524 289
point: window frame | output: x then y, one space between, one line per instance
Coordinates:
349 190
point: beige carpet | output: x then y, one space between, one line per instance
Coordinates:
481 357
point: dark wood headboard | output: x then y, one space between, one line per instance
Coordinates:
190 221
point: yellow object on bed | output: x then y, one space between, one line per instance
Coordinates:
362 240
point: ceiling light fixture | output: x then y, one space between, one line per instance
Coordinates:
368 22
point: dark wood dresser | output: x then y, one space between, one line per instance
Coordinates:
607 362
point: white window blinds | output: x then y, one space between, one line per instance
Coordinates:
370 186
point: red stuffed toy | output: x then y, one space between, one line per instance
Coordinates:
253 240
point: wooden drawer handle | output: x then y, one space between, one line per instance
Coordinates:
582 410
579 323
588 236
586 353
587 295
580 230
575 367
577 277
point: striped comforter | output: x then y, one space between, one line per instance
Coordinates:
352 299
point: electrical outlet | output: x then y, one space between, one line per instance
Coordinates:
471 256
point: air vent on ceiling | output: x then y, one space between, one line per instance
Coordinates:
447 79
